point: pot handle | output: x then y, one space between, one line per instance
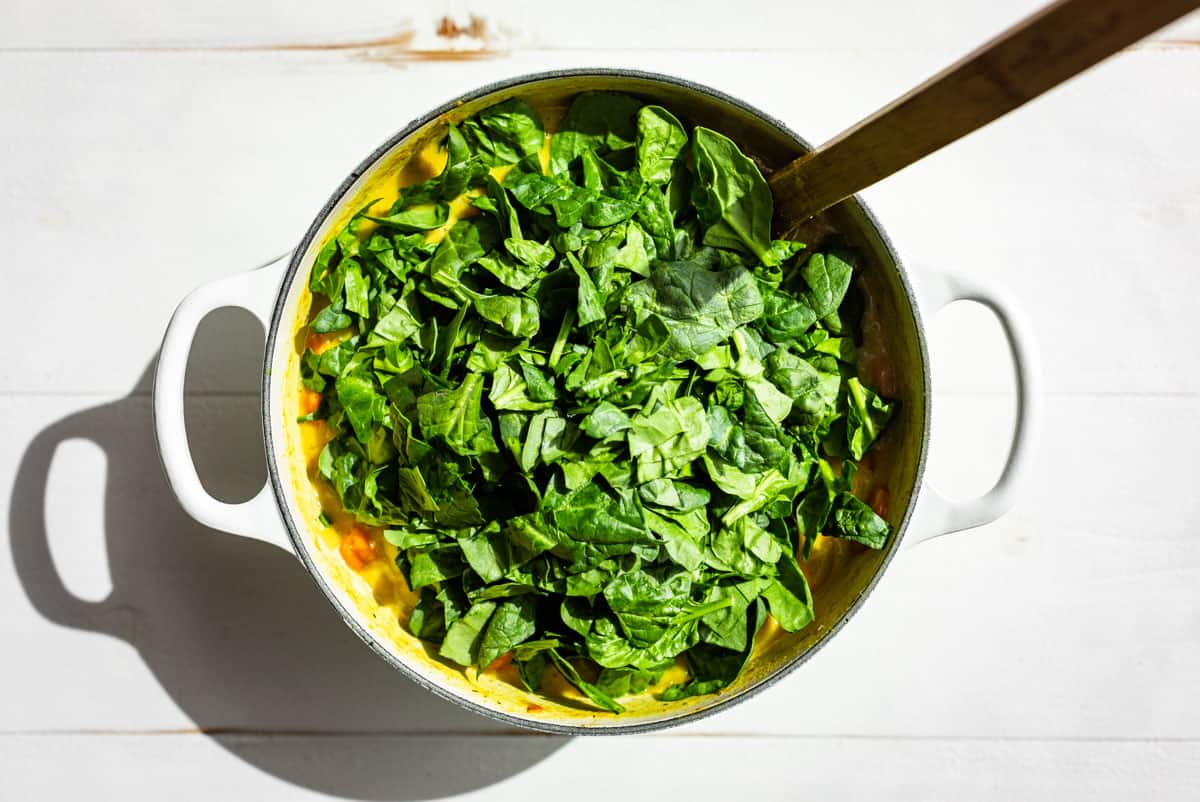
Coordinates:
254 291
938 514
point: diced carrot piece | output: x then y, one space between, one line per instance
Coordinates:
879 501
310 402
534 708
500 663
351 559
356 549
319 343
362 545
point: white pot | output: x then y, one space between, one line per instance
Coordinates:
276 294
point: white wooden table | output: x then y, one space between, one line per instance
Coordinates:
147 148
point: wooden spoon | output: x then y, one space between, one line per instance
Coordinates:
1036 54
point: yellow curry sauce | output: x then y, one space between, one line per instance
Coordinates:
367 560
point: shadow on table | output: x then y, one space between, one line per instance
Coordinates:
233 628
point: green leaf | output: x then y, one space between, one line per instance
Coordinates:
356 288
590 304
425 217
510 391
661 140
516 316
464 636
532 671
512 623
508 271
397 325
597 696
530 253
596 121
604 421
539 388
868 415
331 318
361 402
853 520
789 598
828 278
713 667
617 682
733 200
785 318
779 252
635 254
604 211
488 553
505 133
592 515
656 217
674 494
667 440
455 418
427 620
646 605
701 307
437 565
683 546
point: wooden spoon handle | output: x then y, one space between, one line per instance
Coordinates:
1040 52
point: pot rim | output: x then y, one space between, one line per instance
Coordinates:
351 617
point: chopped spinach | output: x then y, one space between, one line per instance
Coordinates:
603 418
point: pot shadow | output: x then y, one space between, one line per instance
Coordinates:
233 628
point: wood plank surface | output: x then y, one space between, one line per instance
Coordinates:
148 148
474 768
410 30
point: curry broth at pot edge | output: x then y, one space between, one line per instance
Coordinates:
379 589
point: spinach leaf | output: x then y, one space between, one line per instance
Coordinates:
732 198
512 623
418 218
488 553
661 140
597 121
598 697
868 415
331 318
646 605
514 315
788 596
463 636
714 667
666 441
785 318
701 307
505 133
604 421
590 304
427 620
853 520
454 417
828 278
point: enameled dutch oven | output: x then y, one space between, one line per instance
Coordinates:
277 295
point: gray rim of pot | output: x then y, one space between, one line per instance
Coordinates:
349 617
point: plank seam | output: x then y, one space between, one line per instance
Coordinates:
239 732
1163 45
